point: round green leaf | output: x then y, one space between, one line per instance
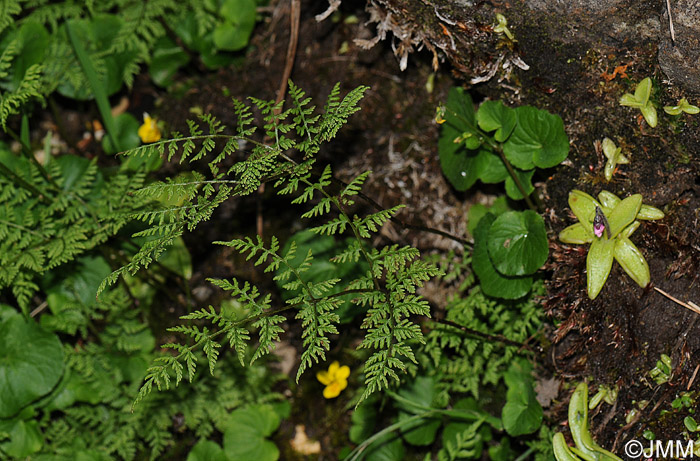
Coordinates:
206 450
24 438
463 167
493 115
246 432
522 414
420 432
239 20
517 243
538 140
494 283
31 363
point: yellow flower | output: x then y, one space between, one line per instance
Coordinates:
149 131
335 379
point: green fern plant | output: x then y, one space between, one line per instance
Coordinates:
388 289
52 213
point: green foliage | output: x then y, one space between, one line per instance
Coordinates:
524 138
586 447
88 49
620 220
682 106
32 362
385 288
614 157
246 431
640 100
52 213
466 363
521 414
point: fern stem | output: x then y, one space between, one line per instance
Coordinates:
26 151
486 336
20 182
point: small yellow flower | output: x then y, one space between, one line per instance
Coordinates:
335 379
149 131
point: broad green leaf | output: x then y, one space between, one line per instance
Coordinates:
525 178
493 171
583 206
461 166
206 450
127 134
386 448
33 41
538 140
517 243
167 58
624 214
363 419
478 211
31 363
177 258
420 432
576 234
493 115
25 438
522 414
246 431
239 19
598 264
632 261
494 283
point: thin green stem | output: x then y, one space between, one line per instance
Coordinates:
98 89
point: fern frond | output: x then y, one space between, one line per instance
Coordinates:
8 9
30 87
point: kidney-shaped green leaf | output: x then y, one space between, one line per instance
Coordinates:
494 283
246 432
538 139
521 414
525 178
493 115
31 363
517 243
239 20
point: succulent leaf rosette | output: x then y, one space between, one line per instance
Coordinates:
607 224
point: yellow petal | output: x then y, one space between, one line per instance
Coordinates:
324 378
333 369
343 373
332 391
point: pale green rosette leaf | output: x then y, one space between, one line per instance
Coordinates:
650 212
577 234
643 91
608 200
649 113
598 264
632 261
583 206
624 213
